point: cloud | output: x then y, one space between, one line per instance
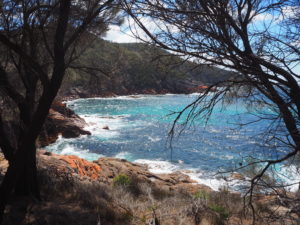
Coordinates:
290 11
263 17
120 34
123 33
129 30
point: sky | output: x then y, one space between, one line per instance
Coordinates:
120 34
123 34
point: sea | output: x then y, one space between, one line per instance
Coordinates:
206 149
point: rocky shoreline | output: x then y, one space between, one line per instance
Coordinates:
105 169
81 178
70 183
77 93
61 121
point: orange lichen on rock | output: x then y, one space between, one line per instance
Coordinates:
82 167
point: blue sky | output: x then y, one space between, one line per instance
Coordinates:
123 34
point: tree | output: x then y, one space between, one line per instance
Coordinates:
39 41
259 39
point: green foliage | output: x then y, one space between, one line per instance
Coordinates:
202 194
134 67
121 180
222 211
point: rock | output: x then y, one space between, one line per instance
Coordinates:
64 121
83 167
111 167
237 176
105 127
70 164
3 164
104 170
79 92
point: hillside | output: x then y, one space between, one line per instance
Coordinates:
110 68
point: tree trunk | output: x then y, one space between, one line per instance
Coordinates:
21 176
27 182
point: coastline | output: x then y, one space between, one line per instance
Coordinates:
233 181
162 167
115 191
74 180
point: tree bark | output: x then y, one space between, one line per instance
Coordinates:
21 176
27 183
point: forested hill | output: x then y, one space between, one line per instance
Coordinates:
110 68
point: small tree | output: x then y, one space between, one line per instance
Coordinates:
39 41
258 39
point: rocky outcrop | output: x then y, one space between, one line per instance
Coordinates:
111 167
61 121
69 164
104 170
3 165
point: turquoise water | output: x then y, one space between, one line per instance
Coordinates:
138 132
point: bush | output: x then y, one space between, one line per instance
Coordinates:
202 194
224 214
121 180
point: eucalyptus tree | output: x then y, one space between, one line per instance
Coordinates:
39 41
258 39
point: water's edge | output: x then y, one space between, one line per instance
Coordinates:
156 165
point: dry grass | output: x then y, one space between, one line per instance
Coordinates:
67 200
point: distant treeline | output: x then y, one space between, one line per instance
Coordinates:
112 68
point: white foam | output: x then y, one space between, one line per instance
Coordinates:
234 137
170 94
154 139
124 155
122 97
130 97
195 93
215 183
96 124
214 130
200 93
290 175
82 153
159 166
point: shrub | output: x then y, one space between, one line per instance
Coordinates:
202 194
224 214
121 180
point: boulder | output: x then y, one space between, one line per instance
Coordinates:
237 176
61 121
69 164
111 167
105 127
104 170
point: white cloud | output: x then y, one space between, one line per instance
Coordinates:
290 11
263 17
120 34
129 30
287 12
